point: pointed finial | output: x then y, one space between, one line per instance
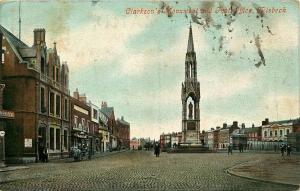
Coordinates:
190 47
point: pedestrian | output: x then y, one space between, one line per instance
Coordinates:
157 150
282 149
289 150
229 149
45 153
240 147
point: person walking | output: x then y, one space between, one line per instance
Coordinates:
157 150
289 150
230 149
282 149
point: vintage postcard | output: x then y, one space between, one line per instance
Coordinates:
149 95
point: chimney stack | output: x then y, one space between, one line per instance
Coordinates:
39 36
82 98
243 125
76 94
267 121
235 124
104 104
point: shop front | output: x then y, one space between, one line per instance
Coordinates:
6 121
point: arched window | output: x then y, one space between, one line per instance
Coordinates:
265 133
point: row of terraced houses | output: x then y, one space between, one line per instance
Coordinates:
37 110
270 135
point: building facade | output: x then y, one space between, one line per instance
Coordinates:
123 129
42 114
80 115
109 112
276 130
103 132
94 136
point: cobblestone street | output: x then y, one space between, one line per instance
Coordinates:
140 170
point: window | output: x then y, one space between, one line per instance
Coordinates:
271 133
287 131
52 103
83 123
66 109
43 109
75 121
276 133
265 133
57 73
57 105
51 138
95 113
57 139
42 65
280 132
53 72
65 139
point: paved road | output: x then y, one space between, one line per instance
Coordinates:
139 170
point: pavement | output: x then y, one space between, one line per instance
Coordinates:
282 170
141 170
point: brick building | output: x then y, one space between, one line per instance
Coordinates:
123 133
94 128
37 91
80 115
103 132
109 112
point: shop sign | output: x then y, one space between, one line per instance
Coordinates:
7 114
28 143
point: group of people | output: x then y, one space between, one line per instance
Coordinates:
285 148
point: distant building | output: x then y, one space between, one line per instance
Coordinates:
104 132
109 112
81 116
276 130
165 140
135 143
94 135
123 129
176 138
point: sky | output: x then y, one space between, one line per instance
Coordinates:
248 63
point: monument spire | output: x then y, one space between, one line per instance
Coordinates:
190 47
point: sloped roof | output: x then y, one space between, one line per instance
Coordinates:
282 122
108 111
14 42
28 52
251 129
123 121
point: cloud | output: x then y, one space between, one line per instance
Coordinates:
223 85
285 35
155 128
101 40
286 104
